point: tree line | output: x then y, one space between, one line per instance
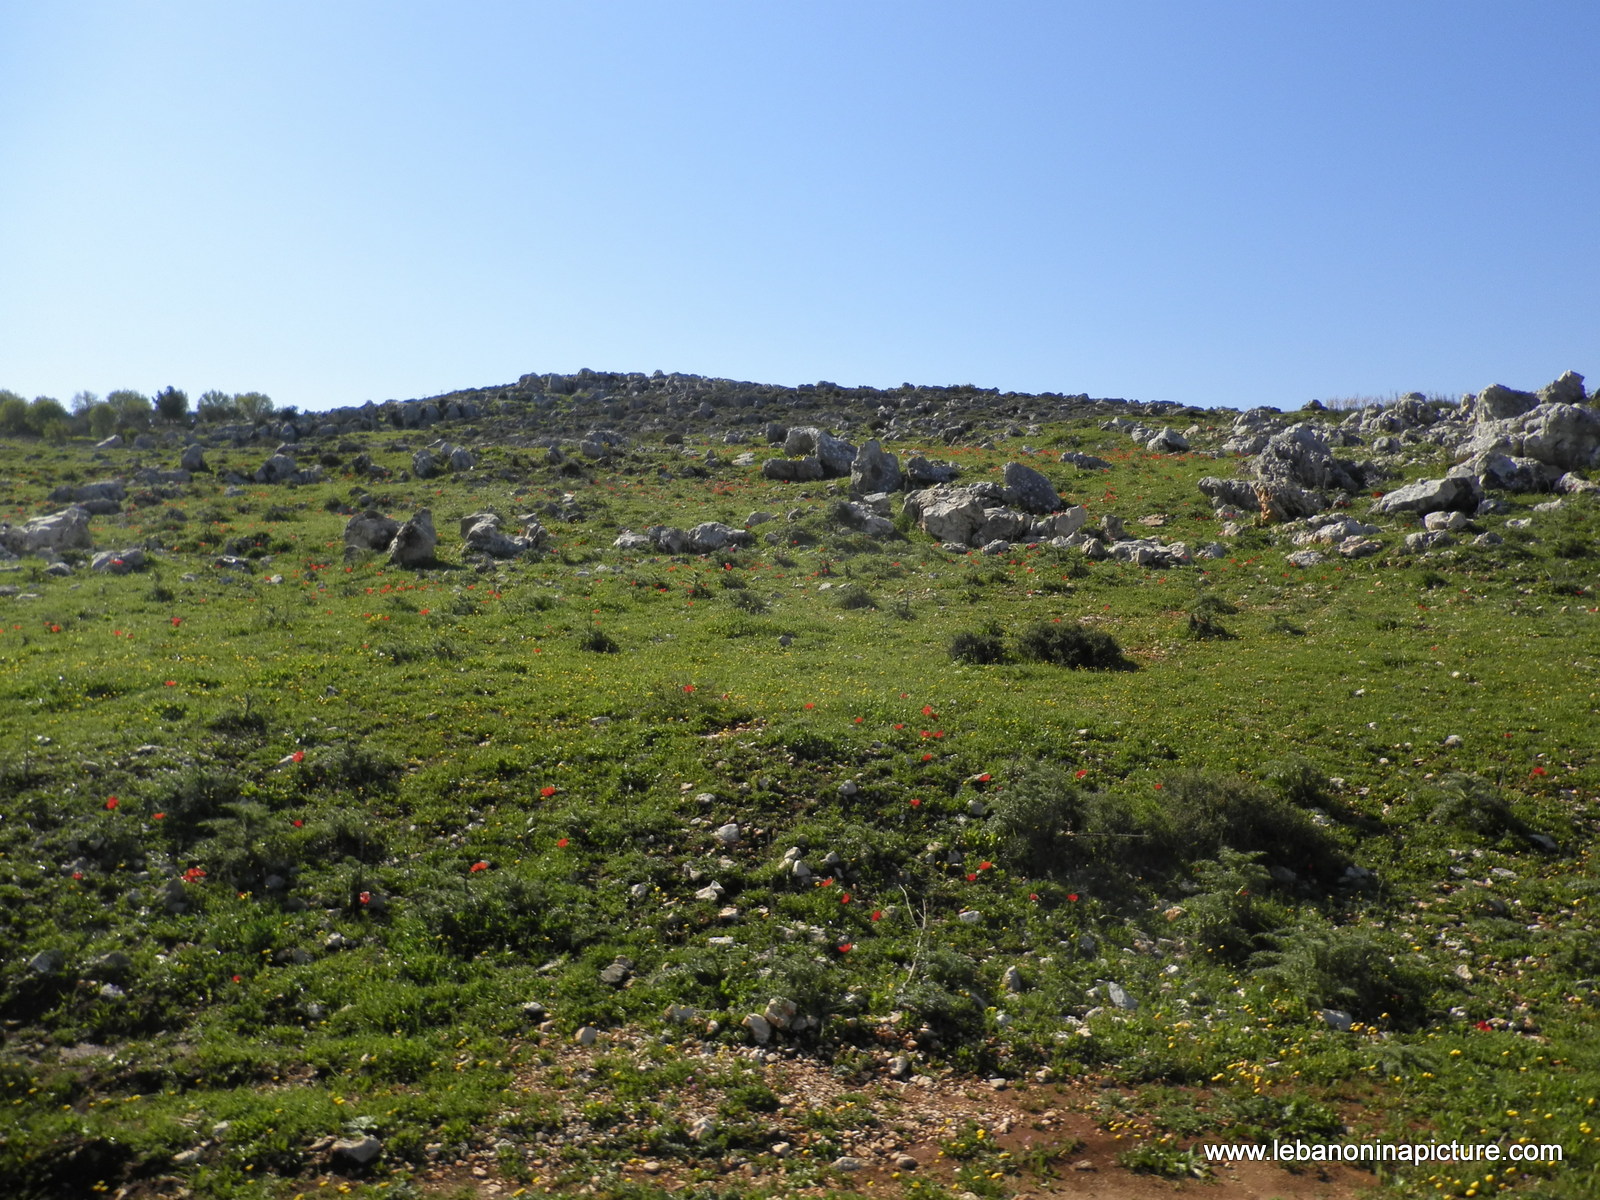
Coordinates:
126 411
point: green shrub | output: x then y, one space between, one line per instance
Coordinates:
1070 646
854 596
1348 969
1466 802
983 648
598 641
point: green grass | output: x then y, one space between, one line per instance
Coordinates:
397 806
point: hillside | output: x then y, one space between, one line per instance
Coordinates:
639 785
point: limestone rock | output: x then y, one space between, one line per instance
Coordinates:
415 541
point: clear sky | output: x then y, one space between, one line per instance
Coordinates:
1212 203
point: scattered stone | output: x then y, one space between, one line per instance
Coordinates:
359 1151
760 1028
415 541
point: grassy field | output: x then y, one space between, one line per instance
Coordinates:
331 849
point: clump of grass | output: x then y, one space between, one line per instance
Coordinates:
598 641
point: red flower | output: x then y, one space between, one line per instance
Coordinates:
425 611
858 720
194 875
1072 896
1033 895
172 683
688 687
176 621
561 843
877 914
547 790
77 874
927 711
971 877
900 725
1158 787
158 816
984 778
916 802
365 897
809 704
298 756
480 865
236 978
112 802
1080 774
927 758
297 822
844 898
846 947
1485 1027
1539 771
986 866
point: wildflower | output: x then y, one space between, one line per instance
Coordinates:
1539 771
1158 787
425 611
1080 774
158 816
194 875
688 689
1485 1027
984 778
298 756
927 758
986 866
858 720
561 843
112 802
927 711
809 704
844 897
972 877
77 874
238 978
547 790
916 802
297 822
846 947
365 897
176 621
1034 896
480 865
877 914
900 725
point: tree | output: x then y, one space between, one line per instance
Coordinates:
13 413
253 406
83 402
102 420
45 413
171 404
132 408
216 406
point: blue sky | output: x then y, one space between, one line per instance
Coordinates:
1212 203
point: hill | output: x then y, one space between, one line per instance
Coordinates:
629 785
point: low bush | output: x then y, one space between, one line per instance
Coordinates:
1070 646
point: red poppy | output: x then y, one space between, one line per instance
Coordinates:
972 877
365 897
1158 787
298 756
984 778
238 978
877 914
480 865
194 874
927 711
1485 1027
547 790
112 802
1539 771
858 720
176 621
158 816
927 758
844 898
846 947
172 683
688 687
1033 895
77 874
297 822
809 704
916 802
561 843
1080 774
900 725
1072 896
986 866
